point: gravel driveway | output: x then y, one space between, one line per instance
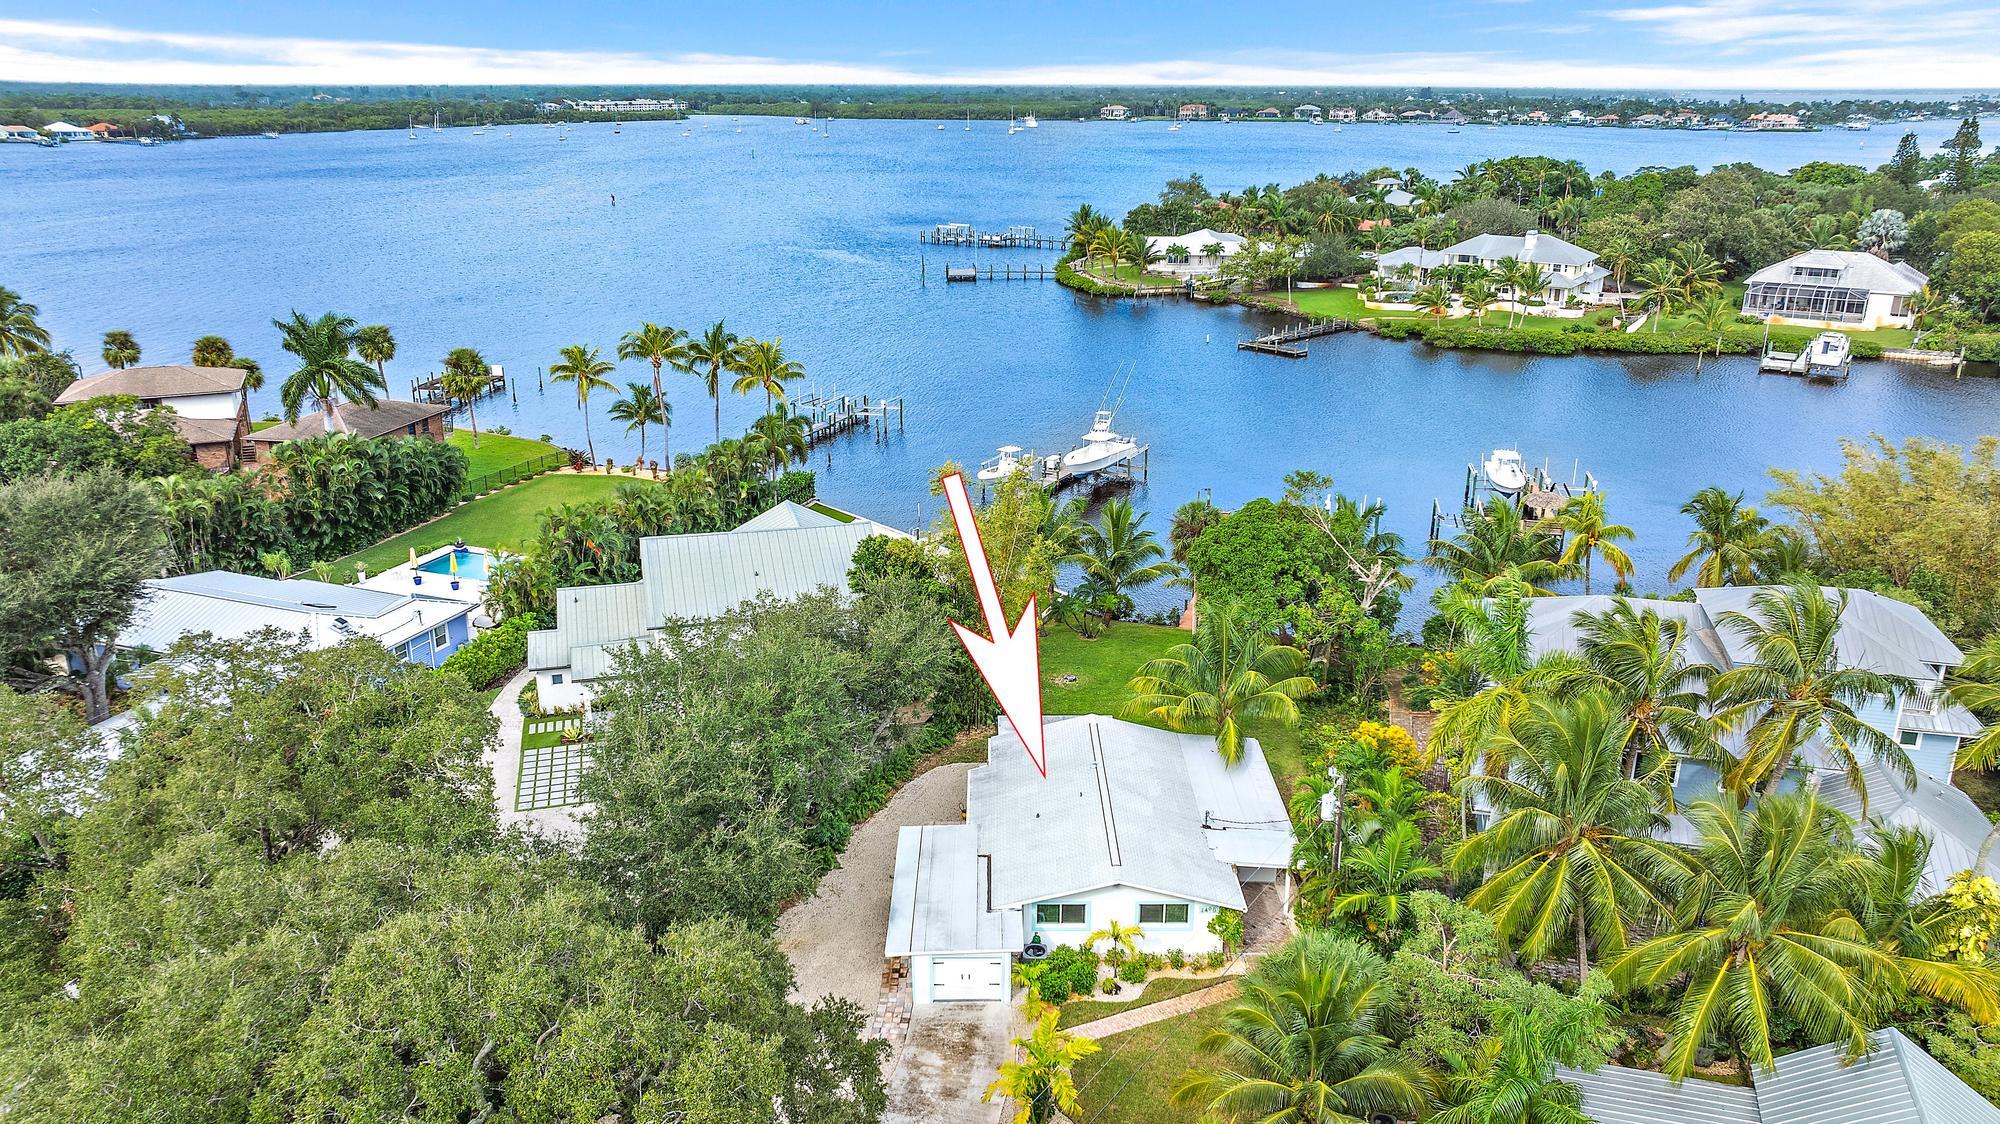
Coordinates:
834 938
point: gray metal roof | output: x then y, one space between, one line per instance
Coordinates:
228 605
1895 1083
178 380
1876 632
1617 1095
939 901
1853 270
1118 808
784 514
1547 249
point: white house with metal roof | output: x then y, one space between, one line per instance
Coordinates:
1834 289
787 551
1896 1082
1131 824
417 627
1877 633
1572 271
1198 253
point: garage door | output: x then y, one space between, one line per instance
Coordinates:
960 978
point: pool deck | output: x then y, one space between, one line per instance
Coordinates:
412 577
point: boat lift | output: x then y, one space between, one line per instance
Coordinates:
1538 501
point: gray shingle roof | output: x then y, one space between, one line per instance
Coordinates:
387 417
168 381
1855 270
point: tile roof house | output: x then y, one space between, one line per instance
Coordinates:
1193 111
787 551
1834 289
1130 824
210 405
1572 271
228 606
1896 1082
1877 633
388 417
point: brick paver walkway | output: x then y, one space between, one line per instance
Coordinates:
1155 1012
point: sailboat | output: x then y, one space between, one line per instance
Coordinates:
968 121
1013 124
413 126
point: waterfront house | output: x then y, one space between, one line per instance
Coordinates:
1307 112
1774 121
1378 115
1198 253
1140 826
20 133
1603 119
1453 117
1895 1082
1114 113
1416 115
1340 113
1576 117
1877 633
1535 117
1270 113
1650 121
388 417
103 130
1834 289
64 131
209 404
1572 271
417 627
785 552
1193 111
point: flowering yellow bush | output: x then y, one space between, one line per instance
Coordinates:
1968 918
1394 742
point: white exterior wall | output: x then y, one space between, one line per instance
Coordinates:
204 405
1881 314
924 968
1121 903
567 695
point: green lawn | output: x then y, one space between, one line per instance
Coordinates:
504 520
497 451
1124 275
1127 1081
1103 666
1345 304
1081 1011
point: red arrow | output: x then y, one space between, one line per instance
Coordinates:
1011 662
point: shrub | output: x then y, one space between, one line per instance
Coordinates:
798 486
1228 926
1177 958
1108 986
494 654
1071 971
531 699
1214 960
1134 970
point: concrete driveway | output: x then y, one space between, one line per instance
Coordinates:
834 938
953 1052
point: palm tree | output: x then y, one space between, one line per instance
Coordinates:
1303 1045
1495 546
1083 222
659 346
1800 690
1511 1078
780 438
1619 256
1569 854
1639 657
21 332
215 351
1724 542
1713 317
1116 553
1433 299
1230 673
327 372
375 343
1659 287
581 364
1695 272
466 377
640 408
1122 936
1770 935
120 349
1976 687
1530 282
1040 1083
763 364
1589 536
1477 296
1382 873
717 349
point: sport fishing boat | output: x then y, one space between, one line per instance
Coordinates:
1505 471
1009 460
1100 450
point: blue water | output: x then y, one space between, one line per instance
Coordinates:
512 246
471 565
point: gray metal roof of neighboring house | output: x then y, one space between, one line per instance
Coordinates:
1397 197
701 577
1954 823
1552 625
1895 1083
387 416
1876 632
786 514
1854 268
939 900
1617 1095
177 380
1548 249
1117 808
228 605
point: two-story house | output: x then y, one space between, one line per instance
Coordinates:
210 407
1569 269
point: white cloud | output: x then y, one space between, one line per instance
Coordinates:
1830 44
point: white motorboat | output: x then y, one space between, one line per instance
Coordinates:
800 121
1029 122
1505 471
1829 354
1100 450
1010 459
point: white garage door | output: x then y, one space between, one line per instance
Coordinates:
959 978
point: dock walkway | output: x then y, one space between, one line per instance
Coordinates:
1285 341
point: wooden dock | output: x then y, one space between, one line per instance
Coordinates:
831 415
1015 238
1286 341
432 389
989 272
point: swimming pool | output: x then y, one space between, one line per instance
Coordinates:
471 564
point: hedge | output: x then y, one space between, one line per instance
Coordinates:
1740 340
494 654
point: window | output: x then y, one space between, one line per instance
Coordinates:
1673 771
1909 737
1061 913
440 636
1163 913
555 680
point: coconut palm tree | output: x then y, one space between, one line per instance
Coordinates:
1722 548
1659 287
763 364
1530 282
1083 222
1569 856
1590 535
640 408
659 346
1121 936
1639 657
717 349
1477 295
1229 674
1117 553
1801 690
120 349
1695 272
1713 317
582 365
1770 935
779 438
1040 1084
465 378
1379 876
1510 1078
375 343
1495 545
1303 1044
1975 685
21 331
327 371
215 351
1433 299
1620 255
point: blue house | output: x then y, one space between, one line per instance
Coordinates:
419 628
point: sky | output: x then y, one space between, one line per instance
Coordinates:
1950 45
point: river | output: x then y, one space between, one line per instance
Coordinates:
509 242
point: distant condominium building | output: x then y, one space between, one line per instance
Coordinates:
627 105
